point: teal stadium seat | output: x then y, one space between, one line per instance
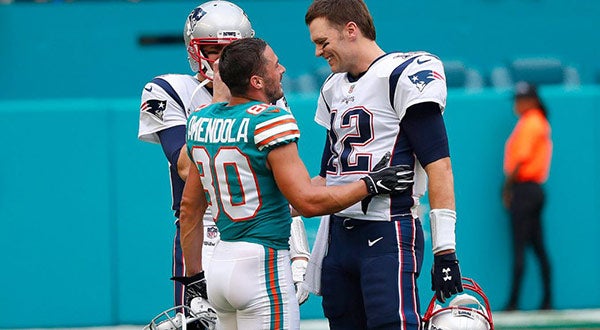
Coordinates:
458 75
536 70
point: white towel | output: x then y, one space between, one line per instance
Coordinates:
312 279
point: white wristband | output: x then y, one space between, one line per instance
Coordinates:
443 222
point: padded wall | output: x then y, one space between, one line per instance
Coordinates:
86 227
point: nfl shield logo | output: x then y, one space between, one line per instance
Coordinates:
212 232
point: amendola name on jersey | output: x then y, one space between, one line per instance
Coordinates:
230 145
363 125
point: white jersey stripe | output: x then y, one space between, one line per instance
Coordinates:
267 123
275 131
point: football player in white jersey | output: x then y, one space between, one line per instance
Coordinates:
373 103
247 169
168 100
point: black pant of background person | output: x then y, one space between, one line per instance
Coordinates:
526 207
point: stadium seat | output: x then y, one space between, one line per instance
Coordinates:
459 76
536 70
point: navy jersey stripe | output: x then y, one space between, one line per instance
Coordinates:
395 76
169 89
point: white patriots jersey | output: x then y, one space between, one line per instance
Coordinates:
363 120
166 102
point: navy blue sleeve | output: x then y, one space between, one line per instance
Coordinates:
424 126
171 140
326 156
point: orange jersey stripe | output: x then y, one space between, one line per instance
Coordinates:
277 123
273 287
277 136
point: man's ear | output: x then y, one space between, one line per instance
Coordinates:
351 30
256 82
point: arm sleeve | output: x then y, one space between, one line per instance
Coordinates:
325 157
424 126
171 140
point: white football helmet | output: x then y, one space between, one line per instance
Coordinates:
213 23
464 312
184 317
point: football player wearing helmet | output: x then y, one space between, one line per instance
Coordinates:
167 101
247 169
464 312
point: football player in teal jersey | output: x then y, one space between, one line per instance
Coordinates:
248 172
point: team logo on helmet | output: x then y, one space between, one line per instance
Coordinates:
196 15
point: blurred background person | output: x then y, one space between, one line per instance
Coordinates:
527 156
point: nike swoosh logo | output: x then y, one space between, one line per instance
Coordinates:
379 184
419 61
371 243
149 89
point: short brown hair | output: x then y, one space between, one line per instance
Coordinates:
239 61
340 12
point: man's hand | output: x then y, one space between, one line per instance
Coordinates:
195 286
298 271
388 180
379 166
445 276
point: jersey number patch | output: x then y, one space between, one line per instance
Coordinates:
357 127
233 178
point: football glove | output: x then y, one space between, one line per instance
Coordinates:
382 163
445 276
298 271
388 180
195 286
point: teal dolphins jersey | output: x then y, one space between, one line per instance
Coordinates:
229 145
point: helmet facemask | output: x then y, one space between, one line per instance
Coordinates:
464 312
202 60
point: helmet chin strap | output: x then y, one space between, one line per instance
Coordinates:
196 90
207 71
208 74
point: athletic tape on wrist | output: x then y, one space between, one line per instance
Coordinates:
298 241
298 270
443 223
